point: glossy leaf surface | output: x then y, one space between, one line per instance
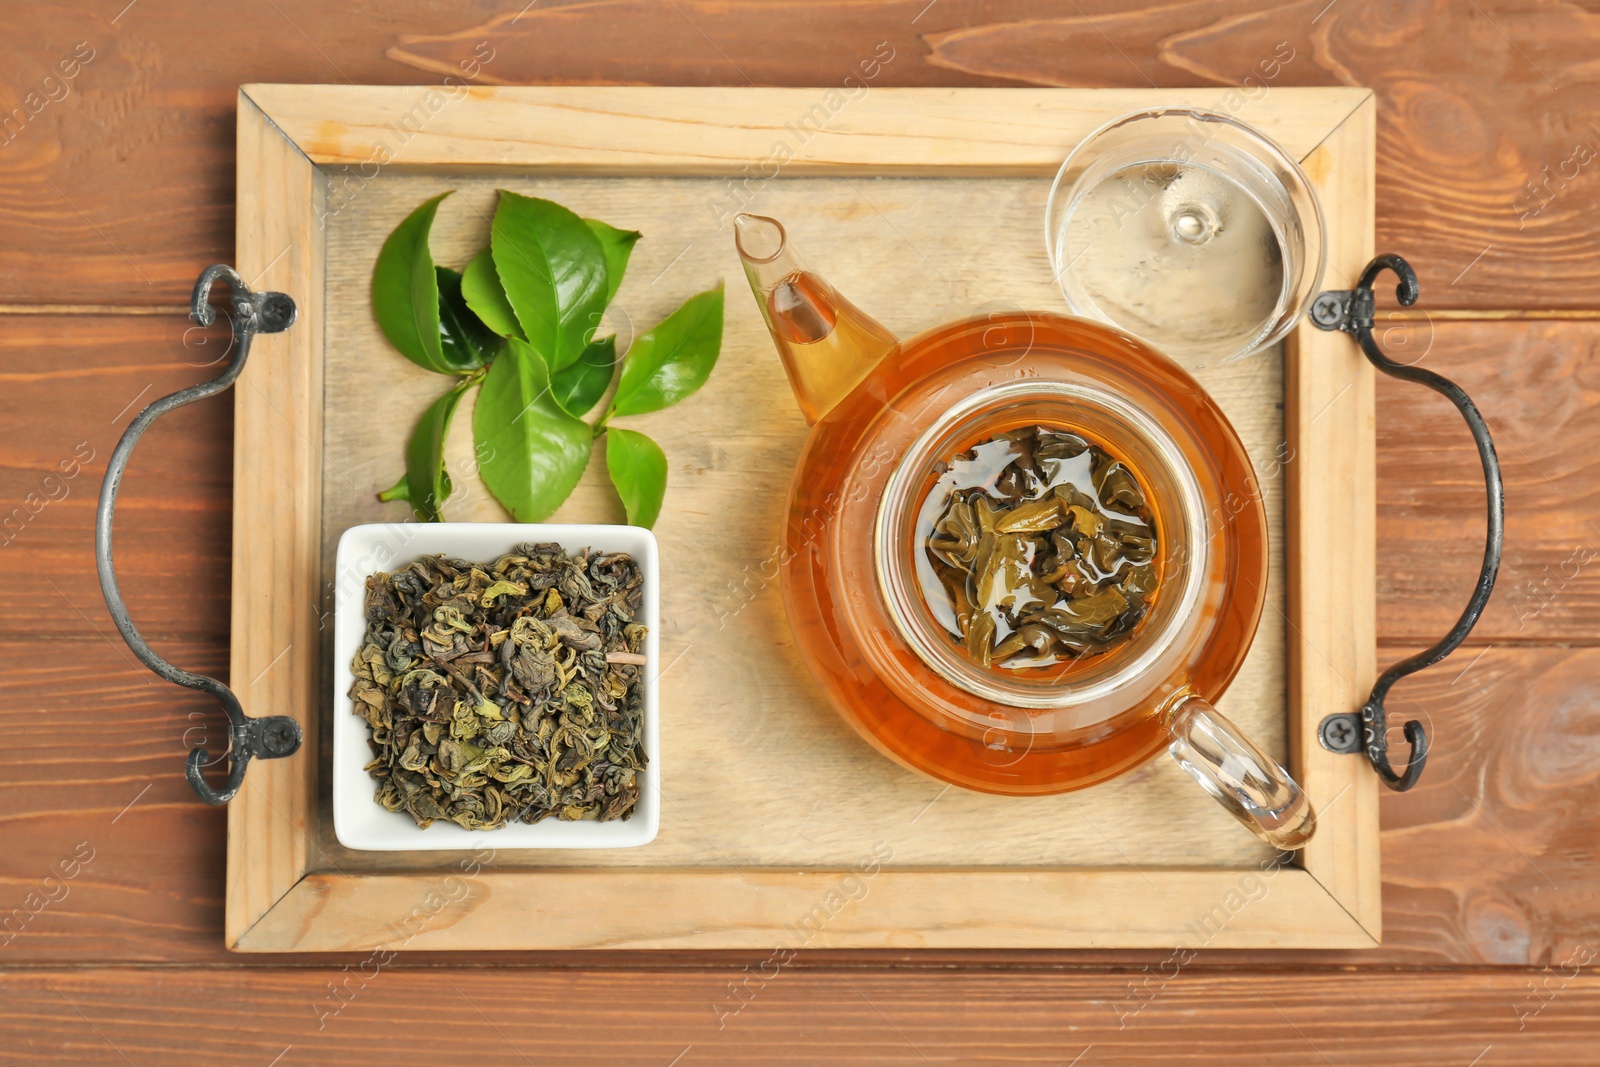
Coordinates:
553 270
638 469
530 452
673 359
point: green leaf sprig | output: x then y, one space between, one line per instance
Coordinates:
518 323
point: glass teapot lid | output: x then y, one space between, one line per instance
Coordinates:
1187 228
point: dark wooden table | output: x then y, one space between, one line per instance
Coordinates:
116 186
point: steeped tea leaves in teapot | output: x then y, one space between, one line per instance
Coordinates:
505 692
1040 548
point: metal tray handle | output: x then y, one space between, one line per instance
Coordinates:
1352 311
268 737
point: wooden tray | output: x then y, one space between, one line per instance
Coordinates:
780 829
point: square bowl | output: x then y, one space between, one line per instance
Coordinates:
359 821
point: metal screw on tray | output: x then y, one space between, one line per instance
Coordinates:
267 737
1340 733
1327 311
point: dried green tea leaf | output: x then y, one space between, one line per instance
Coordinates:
505 692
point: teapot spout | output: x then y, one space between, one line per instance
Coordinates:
828 345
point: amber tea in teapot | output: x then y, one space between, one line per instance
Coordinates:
1038 550
1183 531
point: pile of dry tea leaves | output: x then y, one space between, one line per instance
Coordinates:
1043 547
505 692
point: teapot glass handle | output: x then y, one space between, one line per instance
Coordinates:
1251 785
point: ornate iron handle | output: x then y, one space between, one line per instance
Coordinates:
1352 310
271 736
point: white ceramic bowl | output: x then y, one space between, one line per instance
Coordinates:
359 821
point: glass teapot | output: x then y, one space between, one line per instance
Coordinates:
887 417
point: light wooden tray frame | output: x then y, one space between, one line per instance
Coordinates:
279 898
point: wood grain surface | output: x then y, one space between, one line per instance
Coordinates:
1328 400
774 788
111 856
631 130
1538 386
377 1011
114 194
277 464
738 704
1490 204
69 386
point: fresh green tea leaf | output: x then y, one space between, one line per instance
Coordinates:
673 359
463 338
427 484
617 246
405 293
398 491
638 469
527 308
531 453
579 387
554 273
481 288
